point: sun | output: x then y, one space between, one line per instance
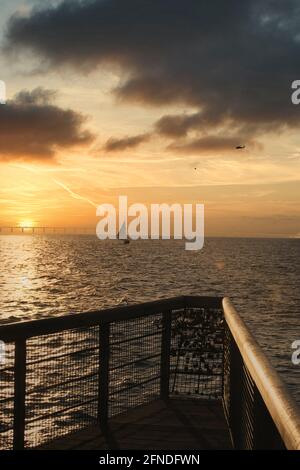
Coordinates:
26 223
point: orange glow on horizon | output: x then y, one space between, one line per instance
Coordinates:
28 223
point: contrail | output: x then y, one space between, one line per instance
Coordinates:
74 195
62 185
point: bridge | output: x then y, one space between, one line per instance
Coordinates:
38 230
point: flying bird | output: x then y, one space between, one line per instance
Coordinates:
240 147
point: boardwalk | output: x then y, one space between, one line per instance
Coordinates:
175 425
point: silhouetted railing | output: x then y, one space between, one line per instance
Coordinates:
66 373
260 411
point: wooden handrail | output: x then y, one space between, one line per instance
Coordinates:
281 406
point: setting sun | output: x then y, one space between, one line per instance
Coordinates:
26 223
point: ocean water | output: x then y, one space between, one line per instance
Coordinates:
43 276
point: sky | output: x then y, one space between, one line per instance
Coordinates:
149 99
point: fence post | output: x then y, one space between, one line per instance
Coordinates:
103 390
19 394
165 355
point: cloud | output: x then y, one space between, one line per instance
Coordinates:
177 125
232 61
113 144
206 144
32 127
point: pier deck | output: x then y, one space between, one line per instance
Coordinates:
171 425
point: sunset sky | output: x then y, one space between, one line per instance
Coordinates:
114 97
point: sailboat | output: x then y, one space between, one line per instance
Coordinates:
122 235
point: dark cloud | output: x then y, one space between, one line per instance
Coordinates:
233 61
113 145
39 97
180 125
33 127
207 144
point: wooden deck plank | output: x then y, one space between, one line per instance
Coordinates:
176 424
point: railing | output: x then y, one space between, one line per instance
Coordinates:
260 410
66 373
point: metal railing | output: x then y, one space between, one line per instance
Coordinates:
66 373
260 411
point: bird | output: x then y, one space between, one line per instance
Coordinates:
240 147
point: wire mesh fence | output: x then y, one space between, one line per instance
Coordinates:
62 375
135 355
249 420
61 384
143 354
197 353
7 378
